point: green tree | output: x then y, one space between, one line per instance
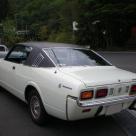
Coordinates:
3 9
104 24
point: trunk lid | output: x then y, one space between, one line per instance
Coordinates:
99 75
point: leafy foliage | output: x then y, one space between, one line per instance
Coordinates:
3 9
102 23
106 23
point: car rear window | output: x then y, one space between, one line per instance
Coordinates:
76 57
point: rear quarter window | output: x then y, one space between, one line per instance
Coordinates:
42 61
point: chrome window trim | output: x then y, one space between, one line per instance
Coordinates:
102 57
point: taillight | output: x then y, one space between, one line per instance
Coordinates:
101 93
133 90
86 95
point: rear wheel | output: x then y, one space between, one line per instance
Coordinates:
36 108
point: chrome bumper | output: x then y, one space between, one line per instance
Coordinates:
106 102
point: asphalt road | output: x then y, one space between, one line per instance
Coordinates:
15 120
125 60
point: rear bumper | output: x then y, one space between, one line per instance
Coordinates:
75 108
107 102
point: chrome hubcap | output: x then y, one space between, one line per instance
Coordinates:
35 107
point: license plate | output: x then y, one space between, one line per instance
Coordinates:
114 109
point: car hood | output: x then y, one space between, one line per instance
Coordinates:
99 75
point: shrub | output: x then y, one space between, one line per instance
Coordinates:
63 37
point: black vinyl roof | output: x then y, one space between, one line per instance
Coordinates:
41 45
38 49
38 46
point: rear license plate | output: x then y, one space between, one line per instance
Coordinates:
114 109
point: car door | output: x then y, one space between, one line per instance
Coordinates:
7 74
14 61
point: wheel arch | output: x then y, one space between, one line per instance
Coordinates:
29 87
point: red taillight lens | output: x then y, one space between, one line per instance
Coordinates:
133 90
86 95
101 93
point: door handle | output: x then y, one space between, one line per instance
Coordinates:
13 67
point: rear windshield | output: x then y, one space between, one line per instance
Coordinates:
75 57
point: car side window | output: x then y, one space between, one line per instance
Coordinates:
38 60
42 60
2 48
19 54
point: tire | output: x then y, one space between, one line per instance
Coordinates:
36 108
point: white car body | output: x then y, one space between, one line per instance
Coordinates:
60 88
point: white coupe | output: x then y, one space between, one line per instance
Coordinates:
66 81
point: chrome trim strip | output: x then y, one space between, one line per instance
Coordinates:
102 57
107 102
120 83
67 118
67 87
74 98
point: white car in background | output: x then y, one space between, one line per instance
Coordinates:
3 51
66 81
3 48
